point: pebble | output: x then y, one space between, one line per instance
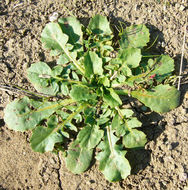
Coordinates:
7 2
163 44
54 17
181 8
183 177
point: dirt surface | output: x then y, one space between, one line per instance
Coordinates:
162 165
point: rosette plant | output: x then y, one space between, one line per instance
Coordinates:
80 111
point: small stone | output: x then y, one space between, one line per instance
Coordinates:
177 5
183 177
53 17
181 8
7 2
163 44
186 95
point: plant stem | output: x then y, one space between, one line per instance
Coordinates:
152 43
19 90
67 80
151 55
71 116
73 60
182 53
122 117
124 92
62 103
109 139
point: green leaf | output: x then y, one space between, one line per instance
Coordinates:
63 59
113 163
126 70
102 120
136 36
44 138
127 113
116 122
100 25
90 136
105 81
71 127
111 98
72 27
64 89
133 123
160 99
134 139
24 114
93 64
53 38
75 76
118 126
57 70
40 75
131 57
163 67
80 92
78 159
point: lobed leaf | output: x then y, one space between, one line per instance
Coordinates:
134 139
72 28
113 163
78 159
100 25
44 138
93 64
136 36
80 92
40 75
161 99
26 113
131 57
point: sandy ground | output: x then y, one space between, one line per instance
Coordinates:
162 165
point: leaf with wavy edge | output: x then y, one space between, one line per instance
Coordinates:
134 139
54 38
162 98
44 138
78 159
136 36
25 114
100 25
113 163
72 27
90 136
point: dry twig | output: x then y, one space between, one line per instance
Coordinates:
182 53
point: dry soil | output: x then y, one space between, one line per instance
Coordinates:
163 163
